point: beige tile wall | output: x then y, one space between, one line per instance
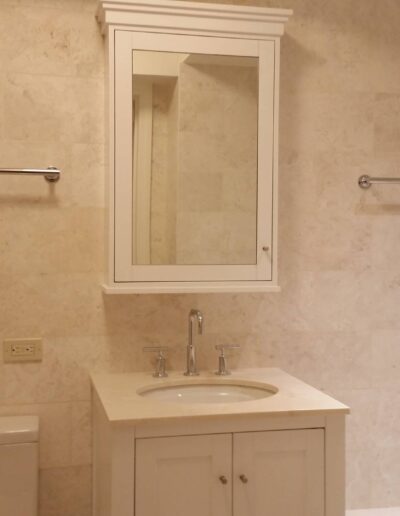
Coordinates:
336 323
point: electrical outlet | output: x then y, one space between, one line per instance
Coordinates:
22 350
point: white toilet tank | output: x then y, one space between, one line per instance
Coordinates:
19 465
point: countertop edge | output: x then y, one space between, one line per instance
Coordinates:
214 417
104 395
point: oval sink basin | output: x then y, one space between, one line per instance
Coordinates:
208 392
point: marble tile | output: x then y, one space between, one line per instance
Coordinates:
134 315
55 234
65 491
71 305
297 351
385 476
55 434
85 178
74 5
385 361
363 428
391 511
386 123
335 324
2 104
391 421
81 434
50 41
319 238
344 121
382 300
44 108
358 479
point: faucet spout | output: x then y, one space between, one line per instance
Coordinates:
191 363
200 321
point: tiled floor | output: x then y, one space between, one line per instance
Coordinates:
393 511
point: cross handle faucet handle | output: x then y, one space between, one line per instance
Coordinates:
160 371
155 349
223 347
222 365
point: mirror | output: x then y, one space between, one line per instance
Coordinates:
195 132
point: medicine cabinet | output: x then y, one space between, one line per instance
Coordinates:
192 173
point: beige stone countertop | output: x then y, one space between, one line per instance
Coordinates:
118 393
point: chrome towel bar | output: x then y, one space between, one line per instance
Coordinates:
51 174
367 181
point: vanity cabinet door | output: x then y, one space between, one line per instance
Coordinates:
279 473
182 476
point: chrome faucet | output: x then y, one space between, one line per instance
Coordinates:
191 366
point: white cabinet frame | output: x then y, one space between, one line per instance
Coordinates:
114 452
179 26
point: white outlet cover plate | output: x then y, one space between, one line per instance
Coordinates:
22 350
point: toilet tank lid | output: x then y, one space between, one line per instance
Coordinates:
19 429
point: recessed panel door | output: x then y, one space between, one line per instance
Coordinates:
279 473
184 476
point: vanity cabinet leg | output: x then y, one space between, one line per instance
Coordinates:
335 492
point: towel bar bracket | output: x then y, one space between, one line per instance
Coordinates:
54 176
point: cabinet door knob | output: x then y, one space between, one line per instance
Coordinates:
244 479
223 479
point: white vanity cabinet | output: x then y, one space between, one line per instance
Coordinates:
192 174
282 455
243 474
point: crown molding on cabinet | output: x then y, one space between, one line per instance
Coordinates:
193 18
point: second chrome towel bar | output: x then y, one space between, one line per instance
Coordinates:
366 181
51 174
